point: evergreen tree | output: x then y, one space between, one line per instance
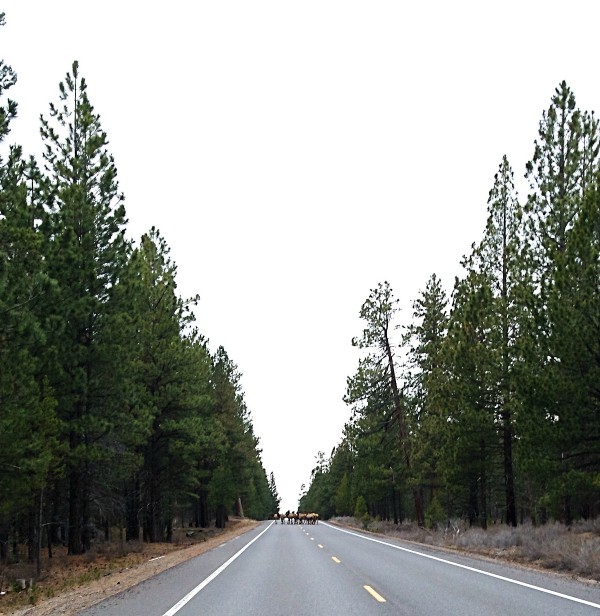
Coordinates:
275 498
557 174
343 497
28 426
378 311
86 253
561 173
168 394
8 108
241 462
502 258
428 381
319 497
28 446
471 402
377 467
574 299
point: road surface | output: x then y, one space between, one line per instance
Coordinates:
297 570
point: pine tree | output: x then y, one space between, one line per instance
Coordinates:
471 402
557 175
28 426
168 391
561 173
378 311
574 299
86 253
238 464
275 498
8 78
502 257
427 381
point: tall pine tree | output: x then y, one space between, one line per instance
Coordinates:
28 446
378 311
427 379
502 257
561 173
86 253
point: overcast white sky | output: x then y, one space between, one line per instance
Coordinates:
295 154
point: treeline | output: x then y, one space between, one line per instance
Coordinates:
113 412
487 406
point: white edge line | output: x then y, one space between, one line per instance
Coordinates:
449 562
211 577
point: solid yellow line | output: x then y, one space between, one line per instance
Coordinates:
374 594
336 560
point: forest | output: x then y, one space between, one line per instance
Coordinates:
484 406
114 414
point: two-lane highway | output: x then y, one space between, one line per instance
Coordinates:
324 569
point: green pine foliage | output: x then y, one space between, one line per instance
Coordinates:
114 414
85 251
8 107
562 427
498 416
428 385
29 448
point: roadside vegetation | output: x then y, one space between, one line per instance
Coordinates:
114 411
483 405
70 583
574 551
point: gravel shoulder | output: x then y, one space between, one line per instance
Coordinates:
75 599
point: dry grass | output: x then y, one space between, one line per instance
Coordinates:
69 584
574 550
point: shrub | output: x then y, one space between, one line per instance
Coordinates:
361 513
434 515
360 510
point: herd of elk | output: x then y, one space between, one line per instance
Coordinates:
293 517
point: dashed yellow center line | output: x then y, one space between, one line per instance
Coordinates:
320 546
374 594
312 538
336 560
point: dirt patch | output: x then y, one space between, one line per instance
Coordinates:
71 584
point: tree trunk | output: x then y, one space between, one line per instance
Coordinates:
49 540
483 489
509 477
54 527
169 535
74 537
400 420
132 507
203 516
86 536
4 535
31 534
221 518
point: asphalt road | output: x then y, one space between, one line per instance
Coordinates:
278 570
